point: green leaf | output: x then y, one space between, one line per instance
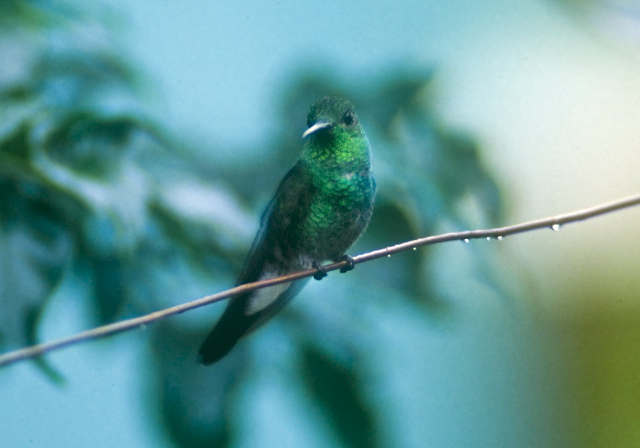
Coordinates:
35 246
337 388
194 403
89 144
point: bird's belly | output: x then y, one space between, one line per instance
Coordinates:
333 226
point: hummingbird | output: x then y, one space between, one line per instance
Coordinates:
321 207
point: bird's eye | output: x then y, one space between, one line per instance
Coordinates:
348 118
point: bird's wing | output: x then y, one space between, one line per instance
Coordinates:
270 255
290 204
266 259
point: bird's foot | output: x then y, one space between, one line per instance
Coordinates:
350 264
321 272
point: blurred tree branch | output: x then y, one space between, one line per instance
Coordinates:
554 223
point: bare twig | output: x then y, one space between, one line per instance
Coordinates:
553 223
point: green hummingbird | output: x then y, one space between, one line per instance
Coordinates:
320 209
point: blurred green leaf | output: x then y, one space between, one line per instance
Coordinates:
195 403
334 384
89 144
14 13
35 246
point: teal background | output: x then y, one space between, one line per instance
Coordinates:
541 349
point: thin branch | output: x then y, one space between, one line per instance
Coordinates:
553 223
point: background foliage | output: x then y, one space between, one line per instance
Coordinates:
89 185
136 216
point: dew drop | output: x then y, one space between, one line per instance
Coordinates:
466 240
500 237
388 255
415 248
555 227
488 238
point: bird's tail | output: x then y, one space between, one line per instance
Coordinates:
224 335
239 319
